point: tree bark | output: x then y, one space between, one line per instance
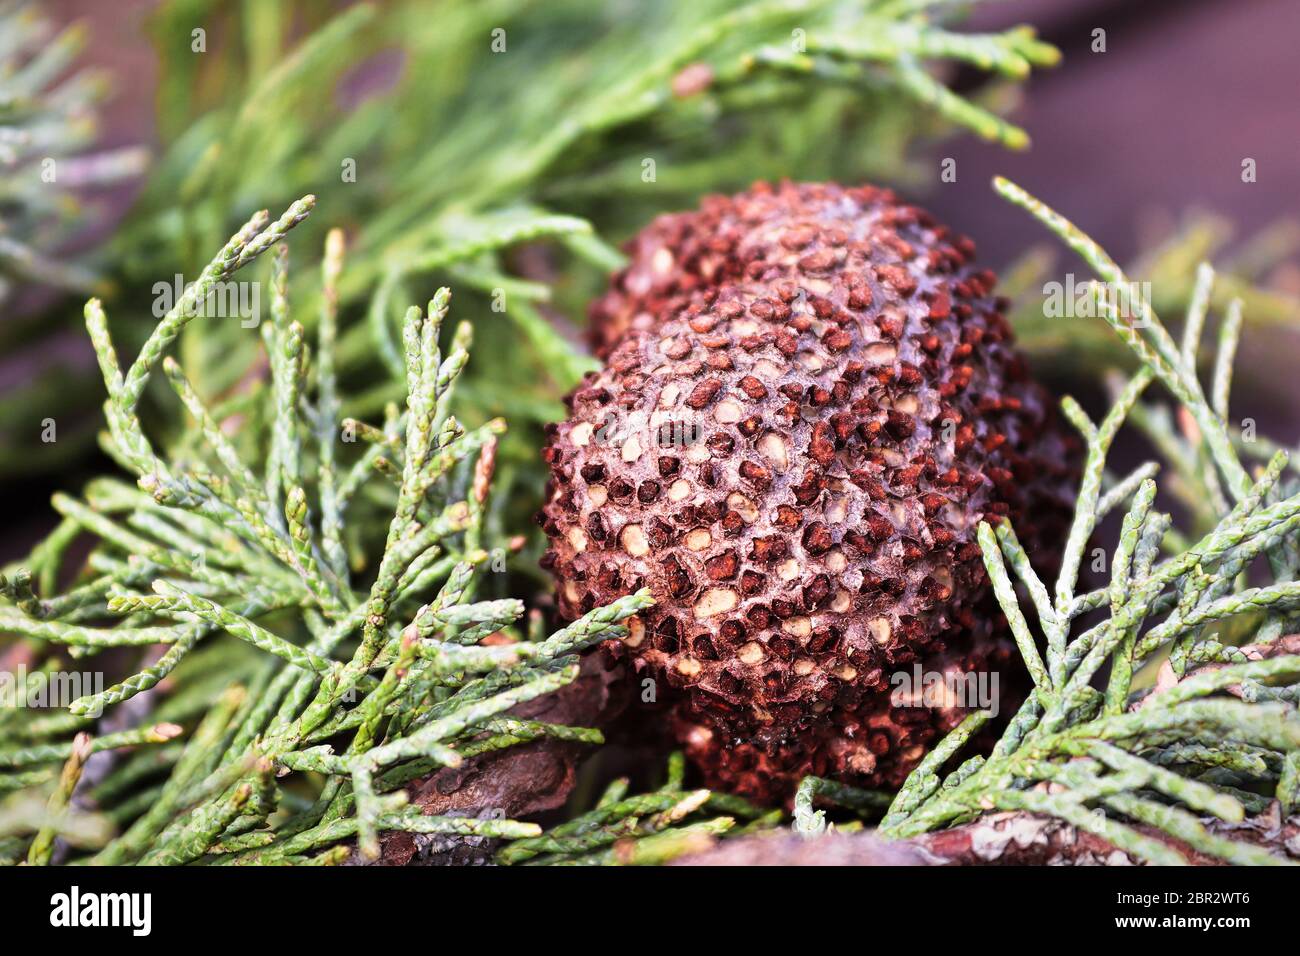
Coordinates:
519 782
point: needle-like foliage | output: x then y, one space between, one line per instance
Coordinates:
47 129
49 168
366 678
447 142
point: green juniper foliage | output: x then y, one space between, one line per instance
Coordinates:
1086 349
445 142
803 84
48 161
206 551
47 124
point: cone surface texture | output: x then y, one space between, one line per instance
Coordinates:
810 400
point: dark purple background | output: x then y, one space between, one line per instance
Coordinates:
1158 123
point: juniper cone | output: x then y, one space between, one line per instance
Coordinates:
810 401
877 743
